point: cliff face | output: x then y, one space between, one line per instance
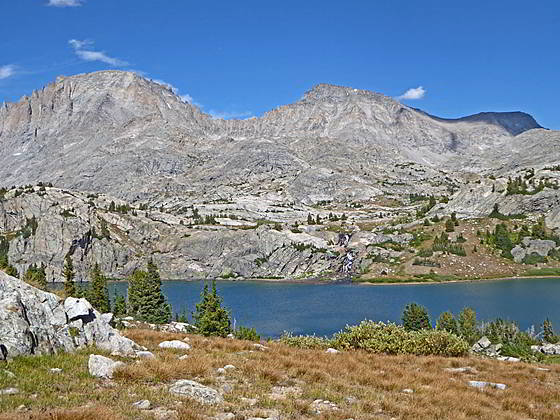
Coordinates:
118 133
112 136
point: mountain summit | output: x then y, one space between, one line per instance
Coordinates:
119 133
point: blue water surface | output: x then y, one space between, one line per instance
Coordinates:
323 309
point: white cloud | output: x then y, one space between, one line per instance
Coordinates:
414 93
82 49
7 71
65 3
78 45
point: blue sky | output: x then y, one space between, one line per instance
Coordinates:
243 58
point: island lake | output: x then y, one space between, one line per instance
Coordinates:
323 309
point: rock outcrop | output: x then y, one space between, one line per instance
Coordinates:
36 322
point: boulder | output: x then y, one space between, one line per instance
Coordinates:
196 391
33 321
547 348
9 391
142 405
482 385
102 367
174 344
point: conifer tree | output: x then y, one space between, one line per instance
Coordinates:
36 277
119 308
98 293
210 317
68 272
145 298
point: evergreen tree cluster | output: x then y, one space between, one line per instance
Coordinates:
442 243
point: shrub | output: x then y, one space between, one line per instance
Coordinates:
244 333
305 341
378 337
374 337
446 322
438 343
424 253
415 317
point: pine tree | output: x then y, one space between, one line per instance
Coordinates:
98 293
548 331
68 272
145 298
467 325
446 322
415 317
36 277
210 317
119 308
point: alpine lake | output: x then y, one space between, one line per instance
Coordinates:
323 309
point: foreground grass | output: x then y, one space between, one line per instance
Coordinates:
280 381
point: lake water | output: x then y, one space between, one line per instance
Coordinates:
323 309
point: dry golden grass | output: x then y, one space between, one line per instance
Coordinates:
284 381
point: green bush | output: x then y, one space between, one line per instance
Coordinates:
244 333
415 317
438 343
305 341
374 337
378 337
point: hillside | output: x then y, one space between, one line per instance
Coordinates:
276 382
310 189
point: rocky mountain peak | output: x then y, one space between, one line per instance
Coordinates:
327 92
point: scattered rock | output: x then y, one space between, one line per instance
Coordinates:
142 405
332 351
162 413
9 391
509 359
145 355
174 344
55 370
319 406
466 369
199 392
101 366
282 392
230 336
221 371
482 385
549 349
407 391
260 347
8 373
229 367
184 357
225 416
